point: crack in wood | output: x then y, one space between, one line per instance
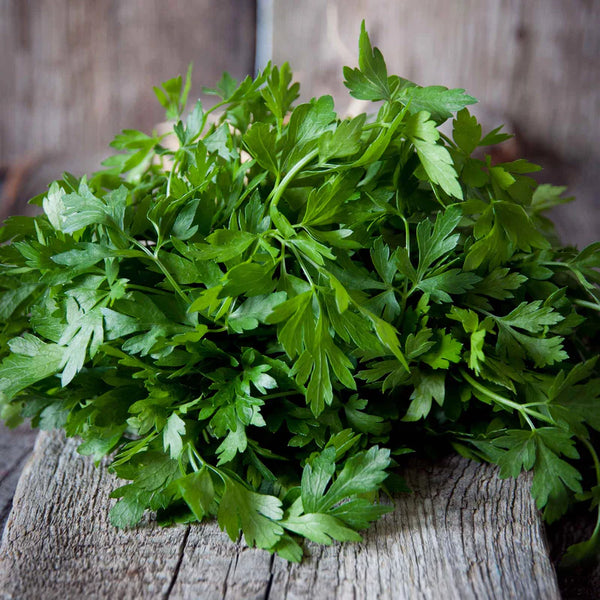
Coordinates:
271 576
186 535
232 563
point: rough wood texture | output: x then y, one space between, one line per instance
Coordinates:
15 447
533 64
463 534
75 73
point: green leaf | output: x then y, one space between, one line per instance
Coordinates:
127 512
53 205
445 352
316 365
363 421
466 131
31 361
321 528
280 92
198 491
344 141
81 209
249 278
308 121
298 322
503 228
438 165
362 473
256 515
260 141
358 513
541 449
376 148
253 311
81 338
370 80
324 205
532 317
553 476
236 441
437 100
452 282
174 429
11 300
437 240
225 244
428 387
316 476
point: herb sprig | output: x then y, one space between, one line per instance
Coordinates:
254 318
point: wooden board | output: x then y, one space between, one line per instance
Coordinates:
534 65
463 534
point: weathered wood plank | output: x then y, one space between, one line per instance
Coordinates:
463 534
15 448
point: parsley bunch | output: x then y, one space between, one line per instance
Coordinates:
254 319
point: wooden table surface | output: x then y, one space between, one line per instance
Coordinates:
464 533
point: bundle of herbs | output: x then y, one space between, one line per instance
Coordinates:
258 324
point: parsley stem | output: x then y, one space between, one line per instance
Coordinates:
437 197
447 140
215 107
405 293
164 270
506 402
581 279
406 234
303 267
378 124
590 305
279 189
191 458
280 395
173 167
591 450
143 288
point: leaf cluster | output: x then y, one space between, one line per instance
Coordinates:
253 313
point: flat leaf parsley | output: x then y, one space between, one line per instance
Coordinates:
253 318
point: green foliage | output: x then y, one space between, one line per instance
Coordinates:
251 319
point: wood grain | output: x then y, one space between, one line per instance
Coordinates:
75 73
463 534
